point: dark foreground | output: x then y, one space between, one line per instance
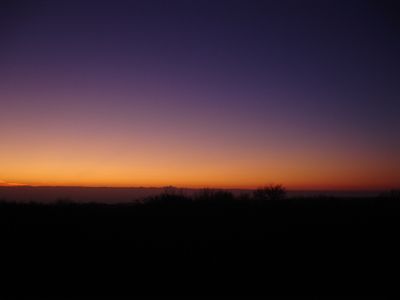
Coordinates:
180 249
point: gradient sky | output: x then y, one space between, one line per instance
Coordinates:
224 94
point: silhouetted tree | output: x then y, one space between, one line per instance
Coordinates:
205 194
270 192
64 201
260 194
172 195
223 196
170 190
393 193
244 196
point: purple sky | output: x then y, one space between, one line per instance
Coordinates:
200 93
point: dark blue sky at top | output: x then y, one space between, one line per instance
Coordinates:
342 48
330 67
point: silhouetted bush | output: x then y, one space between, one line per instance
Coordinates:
270 192
223 196
244 197
171 196
393 193
205 194
64 201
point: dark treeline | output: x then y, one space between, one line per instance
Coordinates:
210 247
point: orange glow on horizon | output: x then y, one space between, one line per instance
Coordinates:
14 184
62 158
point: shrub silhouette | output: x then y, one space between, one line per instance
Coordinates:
63 201
270 192
393 193
170 190
170 196
224 196
205 194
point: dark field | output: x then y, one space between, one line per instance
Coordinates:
216 248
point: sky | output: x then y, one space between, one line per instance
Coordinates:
220 94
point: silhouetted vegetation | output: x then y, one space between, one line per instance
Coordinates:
211 246
393 193
64 201
270 192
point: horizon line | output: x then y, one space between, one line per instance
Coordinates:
188 188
